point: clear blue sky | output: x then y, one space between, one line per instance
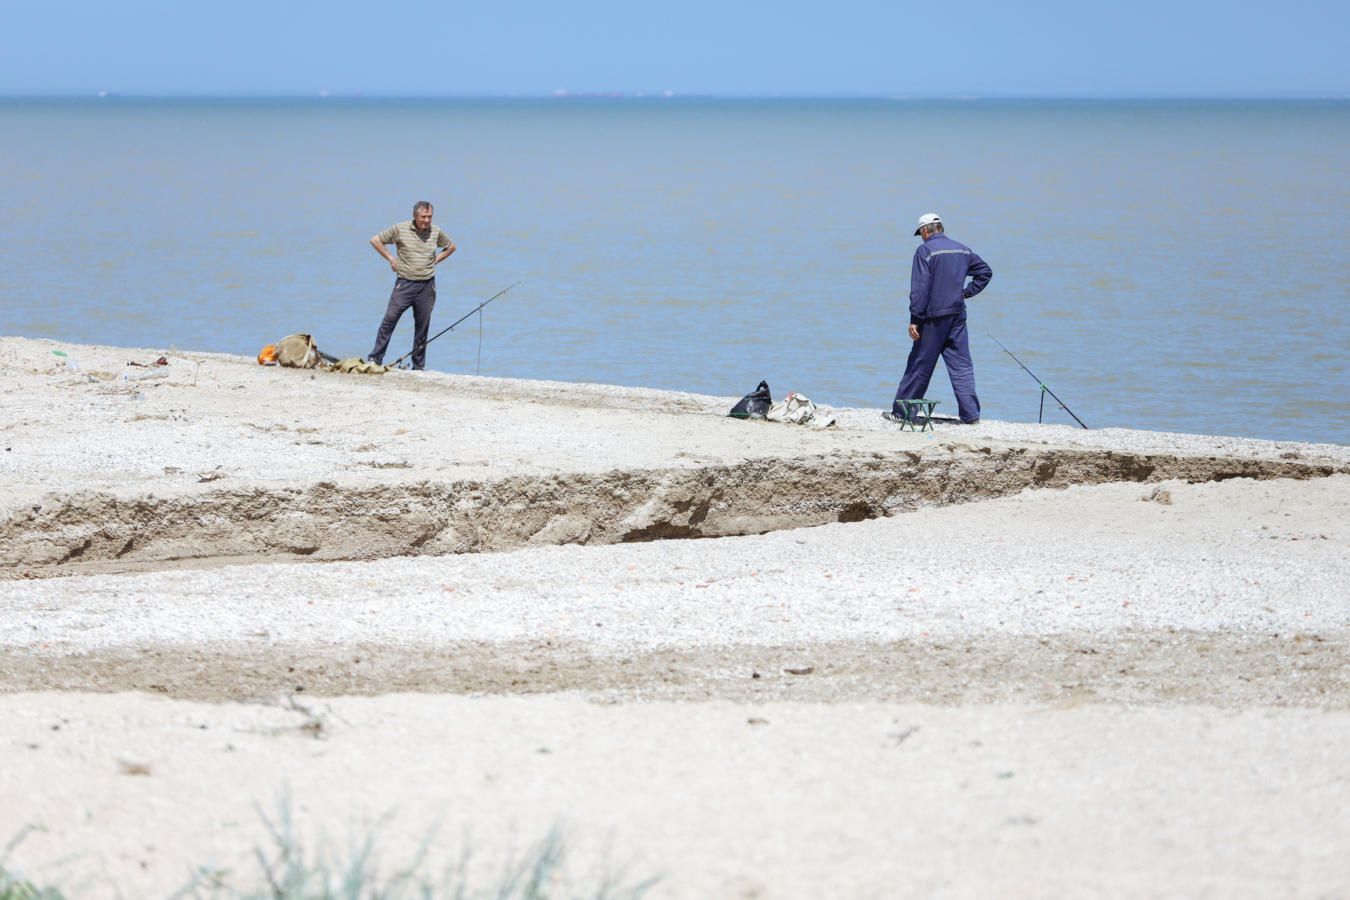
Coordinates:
789 47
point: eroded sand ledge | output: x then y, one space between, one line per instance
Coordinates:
1136 683
83 531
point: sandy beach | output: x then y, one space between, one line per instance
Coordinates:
750 659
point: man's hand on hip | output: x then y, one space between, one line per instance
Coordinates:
913 332
393 265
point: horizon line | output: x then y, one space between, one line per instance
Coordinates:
657 96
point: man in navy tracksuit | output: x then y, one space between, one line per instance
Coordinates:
937 317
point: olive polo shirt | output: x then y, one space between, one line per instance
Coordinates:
415 251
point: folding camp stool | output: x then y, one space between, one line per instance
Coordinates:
918 412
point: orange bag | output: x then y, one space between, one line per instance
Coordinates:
267 356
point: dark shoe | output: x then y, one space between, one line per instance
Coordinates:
971 422
892 417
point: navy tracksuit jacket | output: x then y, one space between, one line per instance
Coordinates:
937 305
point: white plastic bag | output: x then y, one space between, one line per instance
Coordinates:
794 408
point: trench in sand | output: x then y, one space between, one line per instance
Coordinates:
1152 667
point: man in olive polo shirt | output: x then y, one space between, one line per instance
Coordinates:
421 248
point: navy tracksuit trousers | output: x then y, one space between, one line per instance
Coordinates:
943 336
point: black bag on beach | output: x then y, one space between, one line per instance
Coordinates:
754 404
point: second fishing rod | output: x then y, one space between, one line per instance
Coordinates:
452 325
1044 390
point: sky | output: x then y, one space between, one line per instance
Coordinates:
987 48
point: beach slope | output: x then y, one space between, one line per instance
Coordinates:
1007 659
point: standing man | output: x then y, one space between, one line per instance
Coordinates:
937 317
421 247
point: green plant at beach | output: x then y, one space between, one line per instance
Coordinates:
13 886
291 870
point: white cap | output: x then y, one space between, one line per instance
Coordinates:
927 219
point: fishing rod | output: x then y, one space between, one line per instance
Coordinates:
394 364
1044 390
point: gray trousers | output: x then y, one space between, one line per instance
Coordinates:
421 296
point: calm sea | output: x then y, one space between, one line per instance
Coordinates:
1160 265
